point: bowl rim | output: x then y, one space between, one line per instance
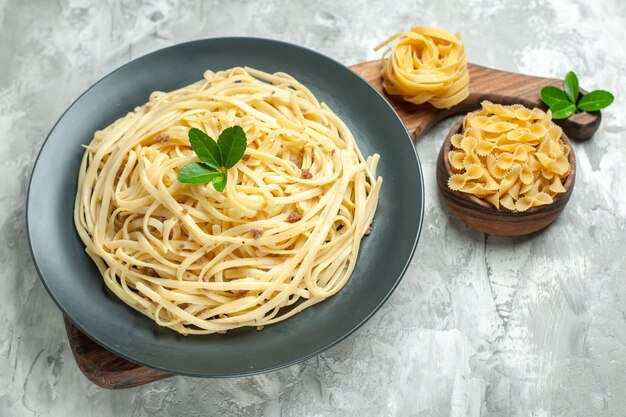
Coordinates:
475 202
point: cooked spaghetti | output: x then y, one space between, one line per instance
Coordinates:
283 236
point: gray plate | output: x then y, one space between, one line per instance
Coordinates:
75 284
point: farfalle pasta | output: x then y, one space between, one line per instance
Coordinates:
510 156
426 65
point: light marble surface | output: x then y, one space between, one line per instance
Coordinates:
480 325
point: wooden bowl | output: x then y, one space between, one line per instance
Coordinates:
500 222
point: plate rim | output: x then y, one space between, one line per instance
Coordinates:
247 372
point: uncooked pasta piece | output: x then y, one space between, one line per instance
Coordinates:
510 156
539 199
426 64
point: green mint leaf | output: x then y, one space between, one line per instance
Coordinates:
205 147
562 109
595 100
232 143
550 95
216 157
219 181
197 173
571 86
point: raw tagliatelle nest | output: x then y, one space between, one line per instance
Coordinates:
426 64
511 156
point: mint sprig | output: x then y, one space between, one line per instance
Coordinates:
551 95
595 100
205 147
570 84
215 157
564 103
562 109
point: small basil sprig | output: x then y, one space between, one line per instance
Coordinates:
216 157
565 103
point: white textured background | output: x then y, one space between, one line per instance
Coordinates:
480 326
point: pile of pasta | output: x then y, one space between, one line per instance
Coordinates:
283 236
511 156
426 65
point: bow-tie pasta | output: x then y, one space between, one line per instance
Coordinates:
511 156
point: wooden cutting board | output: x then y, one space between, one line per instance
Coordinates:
111 371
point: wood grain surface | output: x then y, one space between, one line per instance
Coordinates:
108 370
105 368
485 84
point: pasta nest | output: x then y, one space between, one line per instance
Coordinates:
426 65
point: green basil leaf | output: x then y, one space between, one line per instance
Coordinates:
562 109
550 95
219 181
571 86
232 143
595 100
197 173
205 147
